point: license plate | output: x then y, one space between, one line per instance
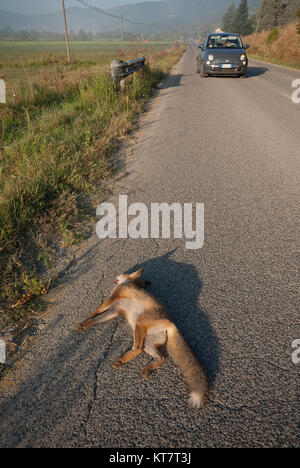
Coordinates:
227 65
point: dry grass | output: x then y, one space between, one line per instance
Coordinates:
283 49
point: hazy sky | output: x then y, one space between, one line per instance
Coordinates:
46 6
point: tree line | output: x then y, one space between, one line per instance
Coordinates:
237 19
7 32
272 13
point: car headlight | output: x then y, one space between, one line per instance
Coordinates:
243 57
210 57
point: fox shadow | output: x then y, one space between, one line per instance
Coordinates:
178 286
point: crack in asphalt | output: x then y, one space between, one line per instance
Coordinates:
100 362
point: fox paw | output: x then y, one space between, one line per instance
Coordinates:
82 326
118 364
146 373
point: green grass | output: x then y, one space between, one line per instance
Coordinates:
59 132
18 54
274 61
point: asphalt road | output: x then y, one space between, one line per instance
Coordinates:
232 144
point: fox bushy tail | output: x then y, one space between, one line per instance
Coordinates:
192 370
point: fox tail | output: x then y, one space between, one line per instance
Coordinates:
192 370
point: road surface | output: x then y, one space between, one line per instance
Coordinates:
232 144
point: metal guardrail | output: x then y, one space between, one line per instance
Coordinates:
120 69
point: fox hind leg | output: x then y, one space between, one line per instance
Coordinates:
159 359
152 345
139 337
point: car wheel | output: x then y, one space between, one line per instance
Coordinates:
202 73
243 76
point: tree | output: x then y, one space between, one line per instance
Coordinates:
7 31
34 35
72 35
273 13
242 18
237 19
81 35
90 36
252 23
290 11
229 19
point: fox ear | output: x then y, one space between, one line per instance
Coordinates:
136 274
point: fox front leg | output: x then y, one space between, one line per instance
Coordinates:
107 304
103 317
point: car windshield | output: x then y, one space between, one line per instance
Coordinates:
224 41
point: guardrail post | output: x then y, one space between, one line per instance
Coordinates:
115 68
120 69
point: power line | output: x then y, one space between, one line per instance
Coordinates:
104 12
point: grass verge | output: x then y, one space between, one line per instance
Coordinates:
58 137
280 46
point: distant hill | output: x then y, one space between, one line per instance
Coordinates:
31 7
167 15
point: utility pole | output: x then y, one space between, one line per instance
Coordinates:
122 31
66 31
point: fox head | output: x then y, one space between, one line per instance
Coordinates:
134 278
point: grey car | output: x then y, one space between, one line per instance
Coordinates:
222 54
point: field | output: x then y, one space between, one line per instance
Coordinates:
59 131
22 60
17 53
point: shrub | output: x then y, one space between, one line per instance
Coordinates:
273 36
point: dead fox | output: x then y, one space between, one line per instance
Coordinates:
153 328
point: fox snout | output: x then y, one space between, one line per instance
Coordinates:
134 277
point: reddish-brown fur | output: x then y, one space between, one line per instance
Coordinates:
152 328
